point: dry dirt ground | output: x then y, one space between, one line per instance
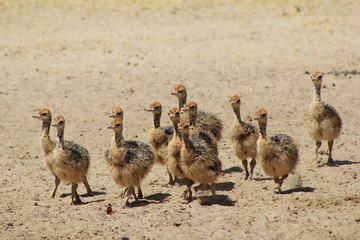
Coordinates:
81 58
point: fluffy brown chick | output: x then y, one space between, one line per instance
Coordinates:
243 137
70 161
129 161
198 162
191 109
322 120
159 137
278 154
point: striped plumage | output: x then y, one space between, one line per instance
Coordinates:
129 161
210 122
278 154
243 137
322 120
198 130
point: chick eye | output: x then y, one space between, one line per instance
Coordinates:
117 125
181 91
61 122
238 101
177 113
157 107
263 115
43 114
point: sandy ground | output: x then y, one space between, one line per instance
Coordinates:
81 58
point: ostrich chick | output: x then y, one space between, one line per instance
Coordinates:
48 147
278 154
159 137
323 121
243 137
70 161
174 150
198 162
117 112
129 161
205 120
191 109
174 146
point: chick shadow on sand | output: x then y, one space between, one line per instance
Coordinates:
337 163
261 179
86 195
221 200
232 170
225 186
298 189
151 199
221 186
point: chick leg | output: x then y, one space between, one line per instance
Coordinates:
130 191
171 179
122 195
318 144
252 166
188 183
276 180
88 189
140 194
280 182
186 192
245 164
213 188
330 144
56 182
75 199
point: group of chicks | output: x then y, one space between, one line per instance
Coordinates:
188 148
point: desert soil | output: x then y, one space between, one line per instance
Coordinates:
81 58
